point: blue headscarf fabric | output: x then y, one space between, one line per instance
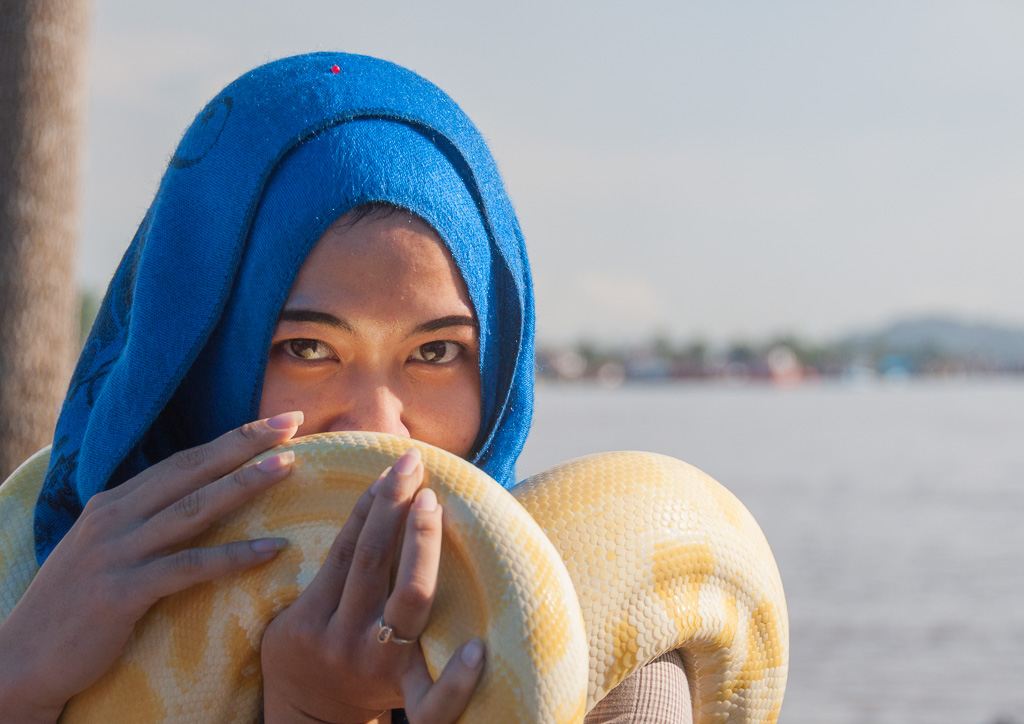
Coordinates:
177 354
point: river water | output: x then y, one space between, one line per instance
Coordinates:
896 514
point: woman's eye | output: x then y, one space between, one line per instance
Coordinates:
437 352
312 349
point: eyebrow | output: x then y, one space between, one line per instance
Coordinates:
454 320
309 315
329 320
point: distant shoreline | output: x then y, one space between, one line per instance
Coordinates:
931 347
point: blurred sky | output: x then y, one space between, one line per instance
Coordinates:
717 169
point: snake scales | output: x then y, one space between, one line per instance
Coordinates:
642 554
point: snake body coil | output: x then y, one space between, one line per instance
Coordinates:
591 570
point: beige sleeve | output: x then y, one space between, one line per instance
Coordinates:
656 694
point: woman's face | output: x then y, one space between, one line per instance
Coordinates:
378 334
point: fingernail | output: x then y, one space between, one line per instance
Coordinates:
473 653
376 483
268 545
286 420
408 462
276 462
426 499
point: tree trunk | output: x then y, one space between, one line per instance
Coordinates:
43 46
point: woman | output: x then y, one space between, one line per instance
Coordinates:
330 248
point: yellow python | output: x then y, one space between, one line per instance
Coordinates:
592 569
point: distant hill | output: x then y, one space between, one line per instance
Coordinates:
945 336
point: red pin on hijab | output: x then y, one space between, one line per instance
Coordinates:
335 69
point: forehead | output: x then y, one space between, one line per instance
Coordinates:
390 265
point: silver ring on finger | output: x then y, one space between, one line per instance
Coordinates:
386 634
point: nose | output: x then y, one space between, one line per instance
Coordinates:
373 408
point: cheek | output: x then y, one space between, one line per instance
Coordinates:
468 429
451 420
470 416
269 405
277 395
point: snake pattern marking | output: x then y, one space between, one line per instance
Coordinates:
577 578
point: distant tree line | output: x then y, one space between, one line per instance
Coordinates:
781 360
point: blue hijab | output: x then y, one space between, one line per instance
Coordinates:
184 330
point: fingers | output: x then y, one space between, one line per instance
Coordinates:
194 565
198 510
324 592
188 470
446 699
322 653
175 500
408 606
369 571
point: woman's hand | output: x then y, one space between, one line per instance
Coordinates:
321 657
121 556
